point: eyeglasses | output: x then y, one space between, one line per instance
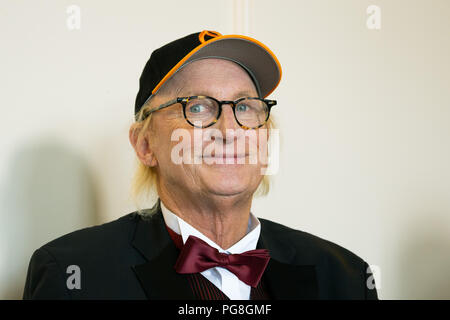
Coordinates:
250 113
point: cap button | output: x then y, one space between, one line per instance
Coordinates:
213 34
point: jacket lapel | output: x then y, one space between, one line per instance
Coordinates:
286 280
157 276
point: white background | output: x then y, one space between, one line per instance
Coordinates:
364 117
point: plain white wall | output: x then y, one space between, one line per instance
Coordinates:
364 119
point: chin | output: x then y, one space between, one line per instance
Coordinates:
227 190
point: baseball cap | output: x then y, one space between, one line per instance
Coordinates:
256 58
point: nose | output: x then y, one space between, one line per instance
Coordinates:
227 119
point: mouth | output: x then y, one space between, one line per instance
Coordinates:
227 159
227 156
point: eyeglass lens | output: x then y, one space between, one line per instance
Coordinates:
249 112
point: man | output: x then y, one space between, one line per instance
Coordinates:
200 240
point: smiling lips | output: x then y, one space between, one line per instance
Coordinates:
227 156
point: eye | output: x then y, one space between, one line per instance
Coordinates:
197 108
242 107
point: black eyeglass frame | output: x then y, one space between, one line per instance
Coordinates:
185 100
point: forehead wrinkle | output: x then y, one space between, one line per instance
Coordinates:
236 96
178 90
199 70
214 92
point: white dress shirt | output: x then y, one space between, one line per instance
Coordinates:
223 279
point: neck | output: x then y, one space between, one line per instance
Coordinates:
223 219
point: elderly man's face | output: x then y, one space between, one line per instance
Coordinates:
223 80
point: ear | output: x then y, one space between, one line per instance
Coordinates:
142 148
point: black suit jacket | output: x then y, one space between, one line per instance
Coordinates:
133 258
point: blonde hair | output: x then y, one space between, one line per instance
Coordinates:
144 184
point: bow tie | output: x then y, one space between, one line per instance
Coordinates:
197 256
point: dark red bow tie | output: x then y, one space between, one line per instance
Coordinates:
197 256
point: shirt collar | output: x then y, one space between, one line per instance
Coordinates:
178 225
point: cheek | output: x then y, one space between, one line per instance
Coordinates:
178 147
257 145
164 140
261 144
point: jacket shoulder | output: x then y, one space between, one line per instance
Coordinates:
340 272
310 246
100 253
115 232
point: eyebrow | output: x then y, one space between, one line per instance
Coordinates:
240 94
